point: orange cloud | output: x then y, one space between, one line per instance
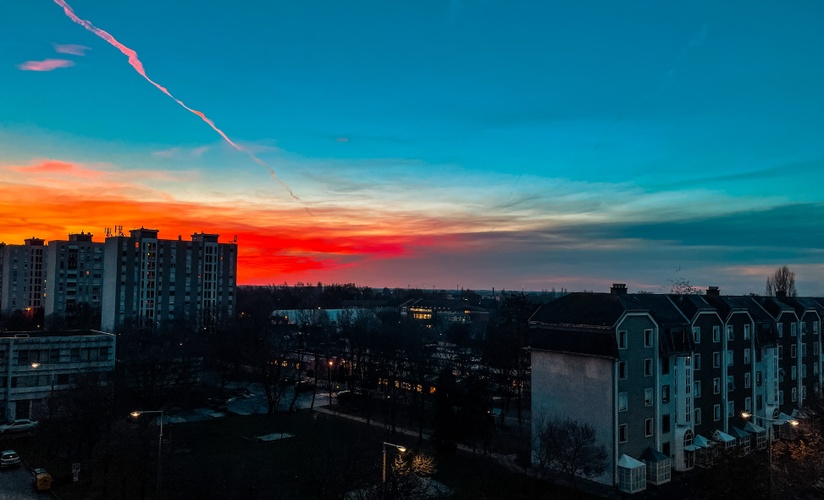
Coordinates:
45 65
52 167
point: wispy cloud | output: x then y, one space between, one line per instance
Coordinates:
45 65
70 48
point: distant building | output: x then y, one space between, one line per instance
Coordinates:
34 365
151 282
432 312
74 278
664 378
23 272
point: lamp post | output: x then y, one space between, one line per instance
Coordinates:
136 414
776 421
401 449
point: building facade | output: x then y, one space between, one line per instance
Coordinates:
23 272
663 378
74 279
35 365
151 282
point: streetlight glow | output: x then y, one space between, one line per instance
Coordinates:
138 413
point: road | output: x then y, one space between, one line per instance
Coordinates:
16 484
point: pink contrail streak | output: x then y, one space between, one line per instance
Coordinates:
138 66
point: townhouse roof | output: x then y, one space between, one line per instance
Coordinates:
581 308
691 304
803 305
774 306
660 307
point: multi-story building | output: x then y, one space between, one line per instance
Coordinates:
662 378
23 272
74 279
151 282
35 365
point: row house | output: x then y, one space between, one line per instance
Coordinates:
675 372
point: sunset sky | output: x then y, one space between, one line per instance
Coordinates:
428 143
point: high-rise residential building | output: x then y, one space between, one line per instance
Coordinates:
152 283
74 281
23 271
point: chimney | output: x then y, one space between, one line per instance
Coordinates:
781 294
713 291
618 289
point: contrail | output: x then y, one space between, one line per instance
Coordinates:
138 66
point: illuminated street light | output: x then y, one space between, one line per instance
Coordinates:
138 413
401 449
776 421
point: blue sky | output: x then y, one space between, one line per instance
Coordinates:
433 143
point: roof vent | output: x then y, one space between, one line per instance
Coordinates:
713 291
618 289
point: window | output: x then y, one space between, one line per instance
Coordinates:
730 383
665 423
622 401
781 352
648 427
730 409
792 395
747 404
648 396
696 334
647 338
648 367
622 433
622 339
803 392
793 351
697 362
730 357
804 349
716 412
759 402
730 334
794 372
716 385
698 416
815 345
747 380
793 329
815 326
622 370
780 328
716 359
781 397
697 391
716 334
746 332
747 356
665 365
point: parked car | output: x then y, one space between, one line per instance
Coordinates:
19 425
9 458
348 397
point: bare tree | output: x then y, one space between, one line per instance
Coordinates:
782 280
566 448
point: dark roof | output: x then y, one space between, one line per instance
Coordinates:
592 309
659 306
43 334
773 306
587 341
803 304
691 304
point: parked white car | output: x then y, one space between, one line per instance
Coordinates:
18 425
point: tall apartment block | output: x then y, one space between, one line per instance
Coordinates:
666 380
74 278
23 271
151 282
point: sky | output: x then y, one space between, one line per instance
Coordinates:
428 143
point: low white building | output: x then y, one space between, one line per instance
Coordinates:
35 364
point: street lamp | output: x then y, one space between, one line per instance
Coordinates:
136 414
401 449
776 421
